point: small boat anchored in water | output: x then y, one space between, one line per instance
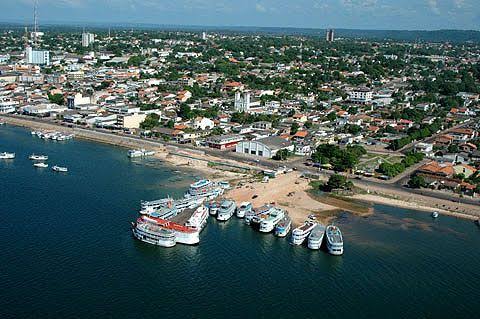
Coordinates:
34 157
299 234
59 169
435 215
40 165
6 155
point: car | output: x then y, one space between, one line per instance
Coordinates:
254 196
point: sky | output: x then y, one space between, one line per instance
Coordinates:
349 14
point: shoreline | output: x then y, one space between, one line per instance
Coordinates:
326 207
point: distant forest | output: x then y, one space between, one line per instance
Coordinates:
454 36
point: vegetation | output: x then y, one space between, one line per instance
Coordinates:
341 159
392 170
416 181
56 98
337 181
150 121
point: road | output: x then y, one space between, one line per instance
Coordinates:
298 164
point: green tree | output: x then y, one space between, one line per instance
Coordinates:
337 181
56 98
416 181
150 121
294 128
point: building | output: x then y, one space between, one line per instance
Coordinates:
78 100
330 35
243 102
223 142
203 123
204 35
130 121
361 96
37 57
264 147
425 148
87 39
43 110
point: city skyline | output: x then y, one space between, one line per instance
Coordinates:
383 14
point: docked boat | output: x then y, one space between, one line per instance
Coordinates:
134 153
243 209
199 218
276 215
140 153
283 227
6 155
262 213
34 157
204 188
149 231
41 165
183 234
213 208
226 210
315 238
148 207
334 240
164 212
2 123
435 214
59 169
249 216
300 233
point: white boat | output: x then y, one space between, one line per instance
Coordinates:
164 212
150 232
204 188
315 238
183 234
59 169
181 204
2 123
262 213
6 155
283 227
34 157
300 233
276 215
41 165
199 218
243 209
226 210
134 153
213 208
140 153
435 214
334 240
249 215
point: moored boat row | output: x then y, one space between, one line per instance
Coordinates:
140 153
53 135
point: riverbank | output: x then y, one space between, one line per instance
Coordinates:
288 191
171 155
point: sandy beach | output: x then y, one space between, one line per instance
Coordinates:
287 191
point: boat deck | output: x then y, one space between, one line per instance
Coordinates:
182 217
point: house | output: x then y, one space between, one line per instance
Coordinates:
265 147
425 148
360 95
443 140
467 147
203 123
437 169
464 169
130 121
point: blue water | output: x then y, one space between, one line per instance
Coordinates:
66 252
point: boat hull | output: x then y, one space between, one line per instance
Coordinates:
158 242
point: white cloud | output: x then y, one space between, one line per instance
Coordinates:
260 8
433 4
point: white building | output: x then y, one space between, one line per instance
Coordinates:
203 123
264 147
44 109
8 106
361 95
87 39
243 102
39 57
130 120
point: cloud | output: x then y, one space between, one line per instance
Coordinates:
433 4
260 8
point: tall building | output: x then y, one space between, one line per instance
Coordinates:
243 102
204 35
330 36
87 39
38 57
